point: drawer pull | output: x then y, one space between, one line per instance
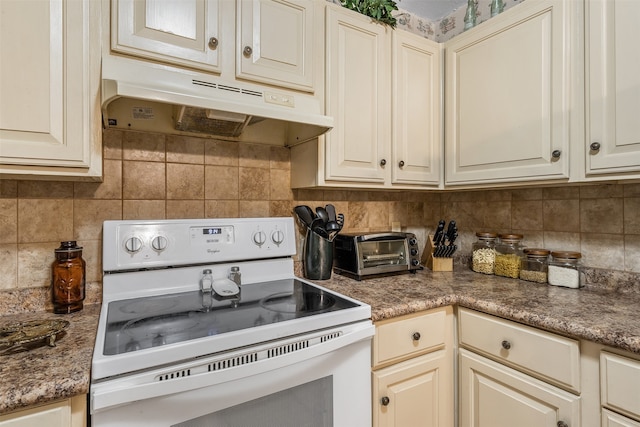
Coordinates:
506 345
416 336
562 424
385 401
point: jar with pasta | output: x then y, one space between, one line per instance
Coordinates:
565 269
483 256
508 255
534 265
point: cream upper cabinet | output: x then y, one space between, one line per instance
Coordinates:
613 87
416 142
383 89
275 39
49 86
413 370
186 33
358 97
277 42
508 95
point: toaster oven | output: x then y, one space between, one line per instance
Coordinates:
366 255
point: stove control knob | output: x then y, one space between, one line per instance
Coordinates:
277 237
159 243
133 245
259 238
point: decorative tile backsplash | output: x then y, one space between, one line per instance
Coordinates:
150 176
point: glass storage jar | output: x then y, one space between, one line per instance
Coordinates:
565 269
508 255
68 278
534 265
483 255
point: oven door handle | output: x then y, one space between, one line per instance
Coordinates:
122 391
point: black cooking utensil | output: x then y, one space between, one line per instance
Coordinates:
317 226
305 214
331 211
322 214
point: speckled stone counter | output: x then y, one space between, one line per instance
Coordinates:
602 315
606 315
46 374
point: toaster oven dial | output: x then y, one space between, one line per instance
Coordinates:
413 241
414 252
415 262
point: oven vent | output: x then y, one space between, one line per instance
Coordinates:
174 375
287 348
331 336
233 362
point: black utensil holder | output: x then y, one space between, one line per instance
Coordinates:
318 256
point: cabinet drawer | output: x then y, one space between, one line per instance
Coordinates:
395 339
554 358
611 419
620 384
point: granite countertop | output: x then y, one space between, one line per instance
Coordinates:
596 314
601 315
45 374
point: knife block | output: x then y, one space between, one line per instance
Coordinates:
432 263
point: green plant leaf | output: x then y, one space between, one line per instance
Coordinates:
379 10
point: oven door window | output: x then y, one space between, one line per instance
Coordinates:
309 404
383 253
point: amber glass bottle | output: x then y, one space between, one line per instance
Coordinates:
68 278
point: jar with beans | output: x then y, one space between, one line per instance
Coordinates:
509 255
534 265
483 255
565 269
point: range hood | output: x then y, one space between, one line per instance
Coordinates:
200 103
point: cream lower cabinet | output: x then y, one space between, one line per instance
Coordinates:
49 86
619 390
613 87
510 93
611 419
65 413
511 374
274 42
413 370
493 395
383 91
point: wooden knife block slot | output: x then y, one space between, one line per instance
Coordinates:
432 263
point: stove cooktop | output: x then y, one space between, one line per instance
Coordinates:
156 321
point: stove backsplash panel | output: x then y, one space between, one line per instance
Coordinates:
150 176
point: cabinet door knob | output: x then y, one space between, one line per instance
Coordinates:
401 164
247 51
213 43
562 424
383 162
385 401
506 345
595 146
556 154
416 336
